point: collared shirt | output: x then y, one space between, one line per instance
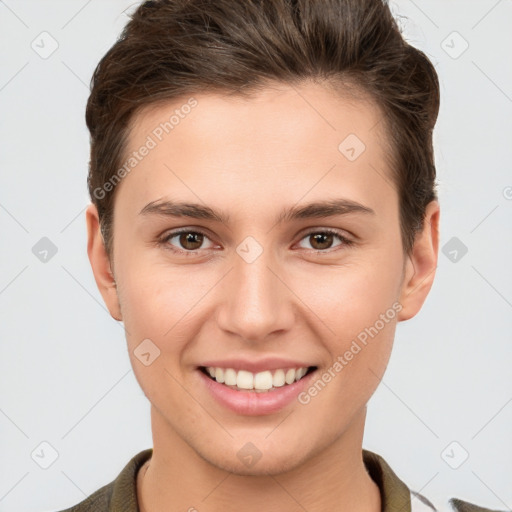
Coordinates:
120 495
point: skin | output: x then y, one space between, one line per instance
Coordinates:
269 152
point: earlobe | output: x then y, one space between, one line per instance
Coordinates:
100 263
421 265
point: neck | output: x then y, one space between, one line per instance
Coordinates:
177 478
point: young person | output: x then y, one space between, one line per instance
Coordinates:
263 214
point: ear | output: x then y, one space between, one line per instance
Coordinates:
100 263
421 264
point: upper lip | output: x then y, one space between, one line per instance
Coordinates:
271 363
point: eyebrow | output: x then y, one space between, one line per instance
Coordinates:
317 209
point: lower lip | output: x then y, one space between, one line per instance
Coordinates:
252 403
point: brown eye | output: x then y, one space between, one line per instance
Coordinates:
191 241
185 242
321 241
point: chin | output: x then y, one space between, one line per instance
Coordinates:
266 466
259 457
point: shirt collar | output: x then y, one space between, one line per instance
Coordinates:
395 495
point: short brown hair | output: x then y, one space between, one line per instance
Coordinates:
171 48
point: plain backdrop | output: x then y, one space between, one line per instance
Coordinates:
69 400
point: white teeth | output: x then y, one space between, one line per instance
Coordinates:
290 376
219 375
278 379
300 373
262 381
230 377
244 380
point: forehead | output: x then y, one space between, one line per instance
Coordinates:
278 144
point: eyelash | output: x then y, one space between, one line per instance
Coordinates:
165 239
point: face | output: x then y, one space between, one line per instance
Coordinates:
291 258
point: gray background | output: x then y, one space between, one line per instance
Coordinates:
66 378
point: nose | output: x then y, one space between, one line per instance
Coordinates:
256 301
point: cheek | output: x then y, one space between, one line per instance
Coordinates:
358 308
350 297
158 305
160 301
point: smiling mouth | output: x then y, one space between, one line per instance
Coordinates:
262 382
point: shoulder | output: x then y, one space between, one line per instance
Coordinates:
96 502
396 495
120 494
